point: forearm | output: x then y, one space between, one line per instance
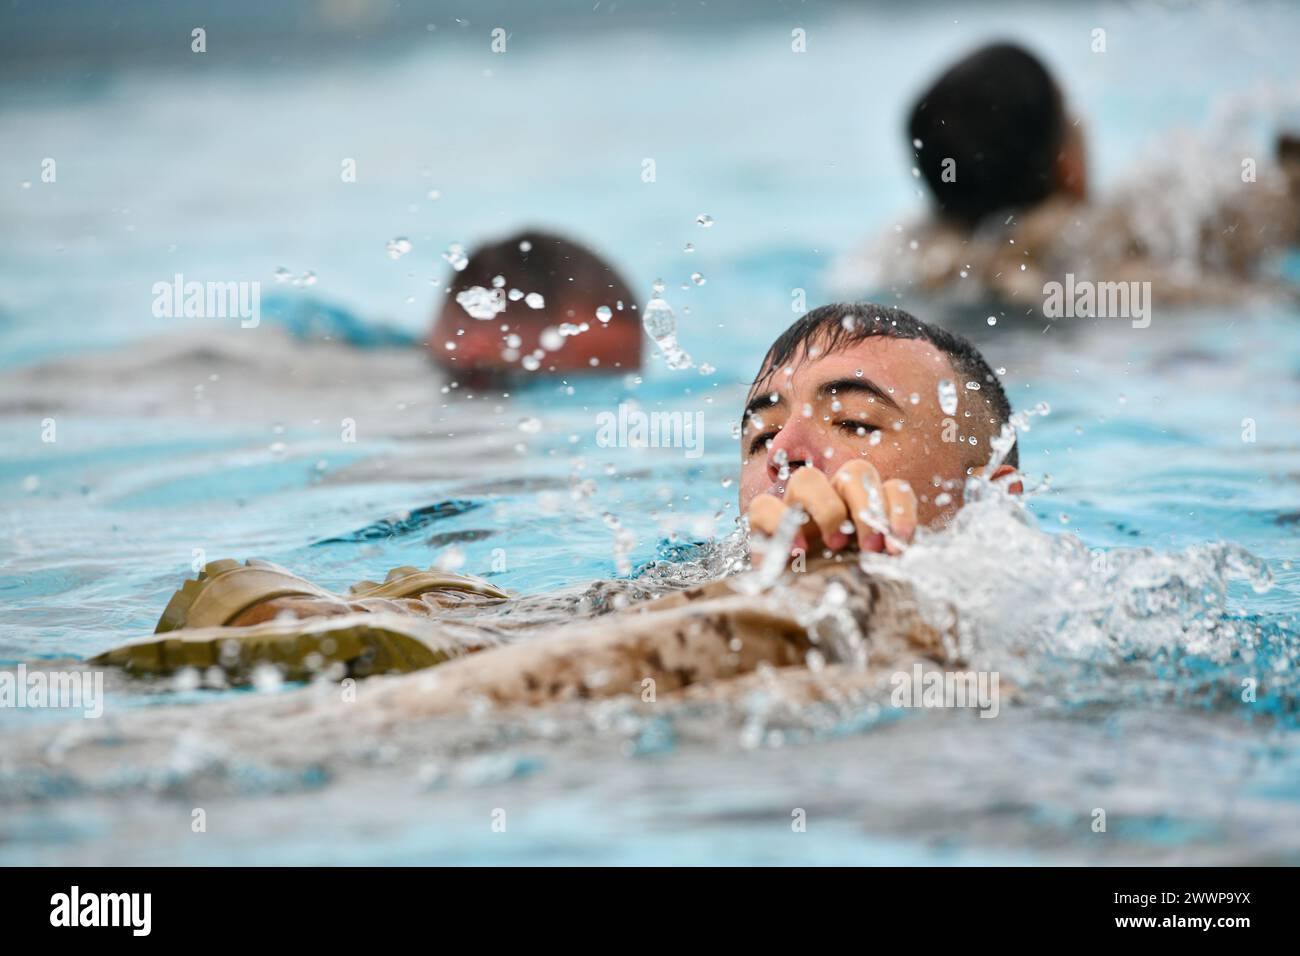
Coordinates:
703 635
655 652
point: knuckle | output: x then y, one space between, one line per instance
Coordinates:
858 466
857 474
900 488
802 480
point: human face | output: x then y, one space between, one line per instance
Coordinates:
859 403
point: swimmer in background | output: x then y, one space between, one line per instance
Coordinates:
1004 161
509 310
846 448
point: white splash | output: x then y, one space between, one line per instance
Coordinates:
660 324
481 303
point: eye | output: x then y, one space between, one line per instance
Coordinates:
852 427
760 441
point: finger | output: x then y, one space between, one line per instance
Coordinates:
765 513
900 503
858 484
811 490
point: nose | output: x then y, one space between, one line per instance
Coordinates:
793 447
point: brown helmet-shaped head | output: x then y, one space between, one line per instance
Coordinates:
536 302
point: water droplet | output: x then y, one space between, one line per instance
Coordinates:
398 247
534 300
283 275
993 320
698 279
455 255
481 303
434 195
690 247
267 679
530 425
525 246
658 319
704 220
973 386
453 559
661 325
551 339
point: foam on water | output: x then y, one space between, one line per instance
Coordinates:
1081 624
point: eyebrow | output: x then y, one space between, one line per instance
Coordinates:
864 386
838 386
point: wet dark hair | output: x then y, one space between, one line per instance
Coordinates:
563 271
1000 116
844 324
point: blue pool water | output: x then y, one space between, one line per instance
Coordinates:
1158 573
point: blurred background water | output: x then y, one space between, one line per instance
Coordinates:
177 437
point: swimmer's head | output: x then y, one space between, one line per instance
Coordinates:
994 136
548 286
865 381
1288 157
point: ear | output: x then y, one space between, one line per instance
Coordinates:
1015 486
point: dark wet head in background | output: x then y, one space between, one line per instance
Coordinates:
574 283
996 122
